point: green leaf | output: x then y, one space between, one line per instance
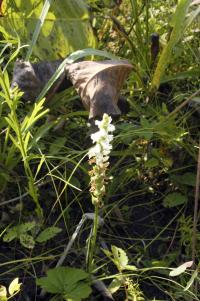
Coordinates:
23 228
120 257
174 199
3 293
115 285
131 267
187 178
177 23
151 163
38 27
194 72
11 234
65 29
36 113
41 131
78 293
48 233
192 279
191 17
57 145
14 286
27 241
70 282
147 130
16 231
181 269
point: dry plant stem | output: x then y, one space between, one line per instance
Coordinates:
195 217
100 286
85 217
92 242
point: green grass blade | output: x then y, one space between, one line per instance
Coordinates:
192 73
38 27
192 16
178 25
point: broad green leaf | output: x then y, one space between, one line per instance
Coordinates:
187 178
14 286
40 22
78 293
174 199
48 233
181 269
177 23
64 280
27 241
65 29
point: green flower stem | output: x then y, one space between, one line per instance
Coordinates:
92 242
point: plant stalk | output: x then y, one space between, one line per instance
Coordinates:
92 240
195 217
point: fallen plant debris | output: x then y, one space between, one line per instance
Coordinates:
98 83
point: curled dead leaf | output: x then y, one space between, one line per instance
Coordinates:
99 85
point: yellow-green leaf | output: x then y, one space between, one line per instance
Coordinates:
3 293
14 286
181 269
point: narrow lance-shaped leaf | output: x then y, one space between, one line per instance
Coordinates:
177 24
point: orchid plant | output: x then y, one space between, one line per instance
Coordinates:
99 159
